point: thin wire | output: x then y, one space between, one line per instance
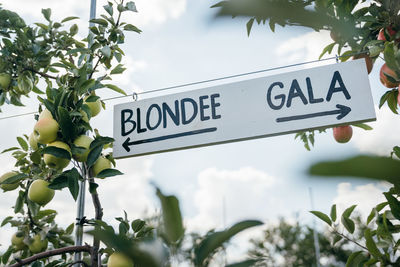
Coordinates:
210 80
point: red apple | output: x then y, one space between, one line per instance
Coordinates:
342 134
384 80
381 34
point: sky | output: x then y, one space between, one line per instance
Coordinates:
217 185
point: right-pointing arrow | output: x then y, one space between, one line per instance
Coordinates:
341 110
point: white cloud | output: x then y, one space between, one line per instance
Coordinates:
158 11
384 135
364 196
240 191
306 47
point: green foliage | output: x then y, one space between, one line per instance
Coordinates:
69 69
291 244
381 227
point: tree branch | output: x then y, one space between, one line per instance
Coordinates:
50 253
98 216
42 73
95 66
349 239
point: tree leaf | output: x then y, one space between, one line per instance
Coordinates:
349 211
46 13
394 205
93 155
9 149
137 225
102 22
215 240
249 25
59 183
109 9
108 173
132 28
6 255
118 69
322 216
6 220
363 126
374 167
69 18
172 218
92 187
115 88
370 243
73 184
131 6
15 178
333 212
23 143
57 152
92 98
327 49
348 224
356 259
66 125
245 263
19 203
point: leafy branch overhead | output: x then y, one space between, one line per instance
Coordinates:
358 29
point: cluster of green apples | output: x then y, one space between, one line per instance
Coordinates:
35 244
22 85
46 132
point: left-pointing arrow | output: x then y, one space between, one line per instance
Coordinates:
127 143
341 110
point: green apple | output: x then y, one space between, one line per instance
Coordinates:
33 142
83 141
8 187
84 116
119 260
40 193
17 240
94 107
45 114
46 130
55 162
101 164
5 80
38 245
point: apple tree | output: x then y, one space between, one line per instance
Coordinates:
47 60
358 28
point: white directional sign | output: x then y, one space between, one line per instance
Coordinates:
280 104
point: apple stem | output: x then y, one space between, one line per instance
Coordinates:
50 253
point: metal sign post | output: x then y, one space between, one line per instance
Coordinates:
273 105
82 184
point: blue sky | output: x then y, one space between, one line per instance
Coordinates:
264 178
